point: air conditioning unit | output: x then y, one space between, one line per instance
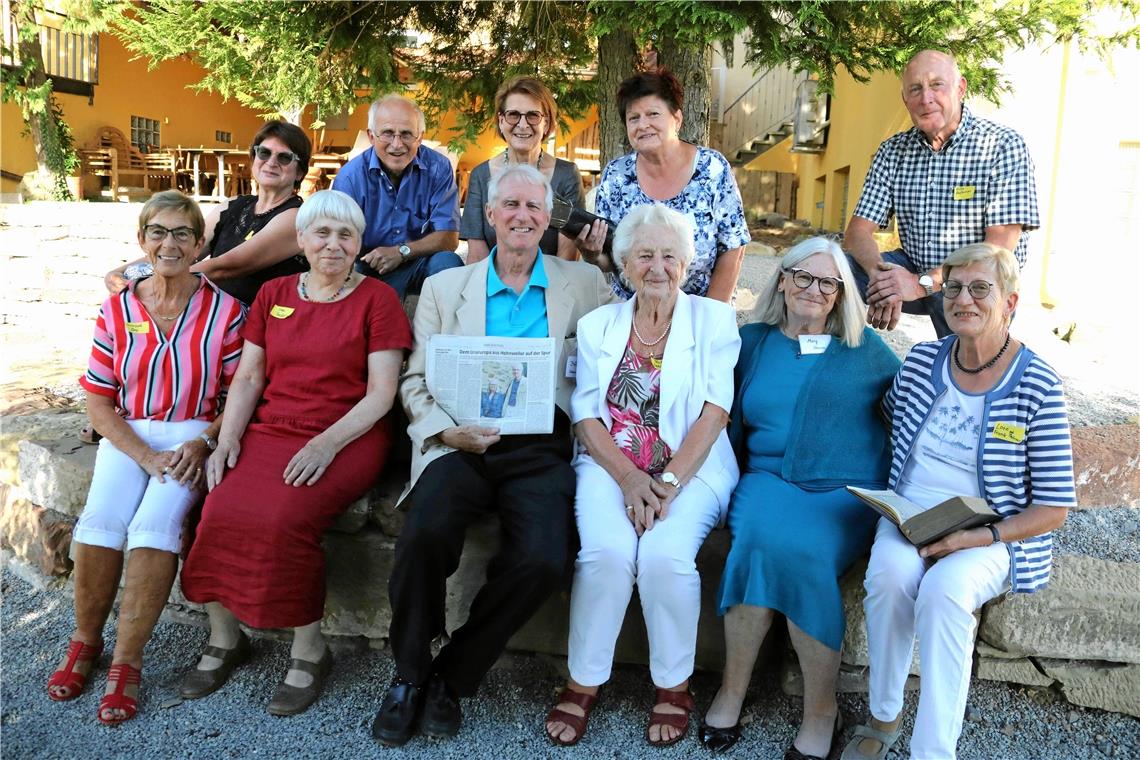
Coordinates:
809 133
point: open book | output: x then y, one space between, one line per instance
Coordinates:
925 526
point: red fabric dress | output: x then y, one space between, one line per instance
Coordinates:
258 546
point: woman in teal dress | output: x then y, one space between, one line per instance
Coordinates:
804 424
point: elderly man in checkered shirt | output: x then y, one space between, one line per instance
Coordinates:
952 180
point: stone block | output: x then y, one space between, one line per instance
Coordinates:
354 518
382 502
996 665
357 568
1089 612
39 426
1106 465
1104 685
40 537
57 473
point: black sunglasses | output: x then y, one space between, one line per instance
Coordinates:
284 158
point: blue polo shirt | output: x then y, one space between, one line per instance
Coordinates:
517 315
426 201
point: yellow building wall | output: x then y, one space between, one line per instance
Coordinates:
127 88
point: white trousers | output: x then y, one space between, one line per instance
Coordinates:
126 506
907 595
662 562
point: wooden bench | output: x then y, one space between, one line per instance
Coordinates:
113 157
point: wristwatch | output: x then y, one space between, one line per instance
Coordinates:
927 283
670 479
211 443
405 252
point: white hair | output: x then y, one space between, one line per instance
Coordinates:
389 100
653 215
524 173
330 204
848 316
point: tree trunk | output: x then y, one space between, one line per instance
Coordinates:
693 66
34 79
617 59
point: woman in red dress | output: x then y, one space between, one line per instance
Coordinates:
305 435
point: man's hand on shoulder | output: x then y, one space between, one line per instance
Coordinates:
470 438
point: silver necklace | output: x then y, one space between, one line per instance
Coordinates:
333 297
537 164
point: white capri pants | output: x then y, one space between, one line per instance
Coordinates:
128 507
663 565
907 595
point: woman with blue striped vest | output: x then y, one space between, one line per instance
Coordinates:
973 414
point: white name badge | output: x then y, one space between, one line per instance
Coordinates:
572 365
814 344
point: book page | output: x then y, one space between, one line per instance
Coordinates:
886 502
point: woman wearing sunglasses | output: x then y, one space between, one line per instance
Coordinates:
804 423
973 414
526 117
251 239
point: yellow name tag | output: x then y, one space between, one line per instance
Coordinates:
281 311
963 192
1004 431
248 235
138 327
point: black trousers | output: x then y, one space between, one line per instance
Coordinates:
527 480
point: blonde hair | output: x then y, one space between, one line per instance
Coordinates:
1005 264
848 316
173 200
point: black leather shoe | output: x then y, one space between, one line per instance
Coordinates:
442 714
395 724
719 739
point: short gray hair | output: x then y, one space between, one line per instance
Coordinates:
848 316
389 100
1005 264
330 204
525 173
652 215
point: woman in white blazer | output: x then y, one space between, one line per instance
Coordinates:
654 468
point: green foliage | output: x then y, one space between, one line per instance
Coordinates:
59 149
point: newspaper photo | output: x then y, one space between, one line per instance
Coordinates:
507 383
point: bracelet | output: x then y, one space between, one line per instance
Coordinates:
994 533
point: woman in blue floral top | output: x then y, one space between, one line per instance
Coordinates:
688 178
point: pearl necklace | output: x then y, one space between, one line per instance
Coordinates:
985 366
333 297
648 344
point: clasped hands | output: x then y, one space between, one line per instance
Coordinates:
646 499
384 259
888 288
183 465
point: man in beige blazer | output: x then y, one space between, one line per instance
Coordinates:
462 472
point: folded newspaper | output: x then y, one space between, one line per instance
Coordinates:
506 383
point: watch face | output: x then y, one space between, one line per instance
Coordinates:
405 251
670 478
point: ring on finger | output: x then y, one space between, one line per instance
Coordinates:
629 508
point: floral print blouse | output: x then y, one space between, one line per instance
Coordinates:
711 200
634 402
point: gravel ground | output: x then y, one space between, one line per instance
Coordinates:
1112 534
503 721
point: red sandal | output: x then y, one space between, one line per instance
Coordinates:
576 723
680 721
66 677
124 674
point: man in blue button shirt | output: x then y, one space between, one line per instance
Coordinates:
408 194
462 472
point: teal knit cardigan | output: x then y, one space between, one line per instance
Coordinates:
838 436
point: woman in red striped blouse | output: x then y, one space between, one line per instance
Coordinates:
165 350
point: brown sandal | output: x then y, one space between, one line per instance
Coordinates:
577 723
680 721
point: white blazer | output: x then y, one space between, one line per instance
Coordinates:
697 367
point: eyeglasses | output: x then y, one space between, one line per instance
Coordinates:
803 280
978 289
284 158
390 135
156 233
533 118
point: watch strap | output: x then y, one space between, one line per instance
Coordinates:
994 533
